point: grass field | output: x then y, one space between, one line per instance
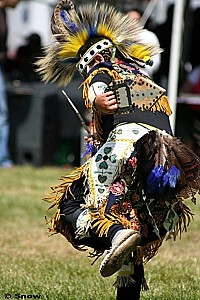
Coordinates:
33 266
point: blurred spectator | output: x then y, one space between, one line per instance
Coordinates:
147 36
164 33
22 67
195 39
192 85
192 82
5 160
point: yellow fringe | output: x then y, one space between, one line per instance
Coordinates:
55 223
162 105
102 222
59 190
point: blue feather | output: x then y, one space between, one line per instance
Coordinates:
159 179
171 177
166 179
93 31
154 180
72 26
91 149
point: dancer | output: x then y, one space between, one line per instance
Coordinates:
131 193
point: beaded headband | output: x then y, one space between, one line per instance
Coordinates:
91 52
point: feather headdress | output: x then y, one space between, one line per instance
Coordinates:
72 28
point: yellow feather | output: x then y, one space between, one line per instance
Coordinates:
74 43
103 30
140 52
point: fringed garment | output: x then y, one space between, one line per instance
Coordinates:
139 178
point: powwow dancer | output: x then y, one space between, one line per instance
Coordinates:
131 193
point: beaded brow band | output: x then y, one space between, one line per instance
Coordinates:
91 52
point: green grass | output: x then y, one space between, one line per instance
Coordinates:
32 264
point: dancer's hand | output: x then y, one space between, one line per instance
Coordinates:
106 103
92 140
